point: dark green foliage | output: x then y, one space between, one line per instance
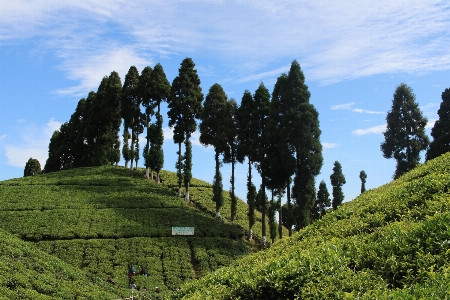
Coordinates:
217 186
131 112
231 152
300 122
187 166
388 243
215 118
156 154
145 83
59 156
441 129
337 181
32 167
185 104
322 202
405 135
363 176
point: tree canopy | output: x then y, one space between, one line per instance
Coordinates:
441 129
405 135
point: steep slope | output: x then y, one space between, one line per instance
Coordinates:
389 243
103 219
27 273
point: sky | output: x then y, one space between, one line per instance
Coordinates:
353 55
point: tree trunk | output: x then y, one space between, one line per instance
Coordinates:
132 148
289 216
280 218
179 170
250 222
186 197
233 205
263 212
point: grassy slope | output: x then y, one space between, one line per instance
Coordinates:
101 219
27 273
389 243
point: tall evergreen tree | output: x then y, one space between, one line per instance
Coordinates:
112 107
322 202
185 106
213 132
159 92
260 142
230 155
302 120
145 88
32 167
246 134
130 112
441 129
405 135
337 181
363 176
77 134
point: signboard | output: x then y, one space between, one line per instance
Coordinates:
182 230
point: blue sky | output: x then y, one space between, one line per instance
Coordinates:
353 55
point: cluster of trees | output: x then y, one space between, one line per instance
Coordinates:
278 134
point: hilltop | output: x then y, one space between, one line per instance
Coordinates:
100 219
392 242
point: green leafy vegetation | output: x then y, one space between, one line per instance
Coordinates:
97 220
389 243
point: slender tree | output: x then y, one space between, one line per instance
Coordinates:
363 176
244 150
112 108
337 181
441 129
32 167
322 202
272 222
159 92
260 115
130 112
187 166
213 132
405 135
185 106
230 155
145 88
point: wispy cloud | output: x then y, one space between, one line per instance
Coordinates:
430 123
375 129
33 143
332 41
327 145
349 106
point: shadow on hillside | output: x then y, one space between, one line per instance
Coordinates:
143 211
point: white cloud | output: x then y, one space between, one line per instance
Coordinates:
429 105
375 129
90 69
3 136
33 143
333 41
327 145
347 106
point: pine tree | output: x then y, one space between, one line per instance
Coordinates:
145 85
130 112
363 176
337 181
405 134
230 155
441 129
185 106
322 202
213 132
32 167
260 142
301 120
246 135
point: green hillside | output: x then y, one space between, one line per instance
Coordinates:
27 273
101 219
392 242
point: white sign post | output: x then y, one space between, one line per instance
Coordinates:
182 230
